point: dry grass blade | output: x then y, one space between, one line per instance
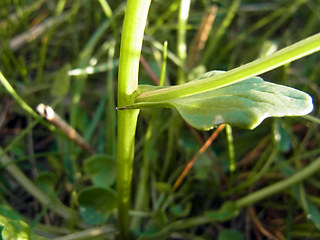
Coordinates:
148 69
202 35
26 37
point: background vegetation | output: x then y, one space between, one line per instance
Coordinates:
65 54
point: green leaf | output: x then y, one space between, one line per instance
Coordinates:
281 136
226 212
163 187
244 104
102 169
61 82
46 181
8 212
227 234
96 204
16 229
180 211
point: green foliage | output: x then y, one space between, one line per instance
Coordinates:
10 213
226 212
61 82
13 230
102 169
233 234
281 136
96 204
181 211
244 104
47 181
12 226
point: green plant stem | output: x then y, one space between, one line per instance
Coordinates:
181 38
259 66
302 174
89 233
23 104
176 226
232 162
111 114
131 43
164 64
311 118
108 12
106 8
142 188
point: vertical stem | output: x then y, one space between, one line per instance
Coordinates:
111 112
164 64
232 162
140 203
131 43
181 38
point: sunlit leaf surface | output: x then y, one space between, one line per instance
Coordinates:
244 104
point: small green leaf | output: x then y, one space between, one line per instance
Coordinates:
180 211
16 229
96 204
102 169
163 187
227 234
226 212
244 104
46 181
281 136
61 82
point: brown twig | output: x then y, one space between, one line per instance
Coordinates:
48 113
202 149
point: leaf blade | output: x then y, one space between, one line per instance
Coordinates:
245 104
